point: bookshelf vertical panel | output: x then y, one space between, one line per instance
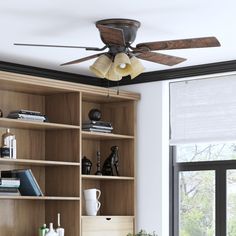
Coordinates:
70 215
30 143
90 148
86 107
11 101
63 108
126 155
20 217
62 181
63 145
121 115
38 172
87 184
117 198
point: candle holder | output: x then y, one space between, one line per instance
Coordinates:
98 172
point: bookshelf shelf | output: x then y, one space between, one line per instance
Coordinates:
37 162
104 216
104 136
40 198
22 124
97 177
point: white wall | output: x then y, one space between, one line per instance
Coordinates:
152 157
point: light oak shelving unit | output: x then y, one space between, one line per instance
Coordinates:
53 151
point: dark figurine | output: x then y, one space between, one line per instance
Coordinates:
86 166
98 172
95 114
110 166
1 113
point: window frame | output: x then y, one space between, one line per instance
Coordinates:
220 168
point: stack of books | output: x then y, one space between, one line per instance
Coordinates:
28 184
9 186
97 126
27 115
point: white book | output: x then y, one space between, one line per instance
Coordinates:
8 182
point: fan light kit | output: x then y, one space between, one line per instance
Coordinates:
122 59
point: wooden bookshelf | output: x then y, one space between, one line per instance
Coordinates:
54 150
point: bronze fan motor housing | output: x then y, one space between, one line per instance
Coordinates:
128 26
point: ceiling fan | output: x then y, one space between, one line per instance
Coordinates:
121 58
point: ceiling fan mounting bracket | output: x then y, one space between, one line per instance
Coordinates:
128 26
114 49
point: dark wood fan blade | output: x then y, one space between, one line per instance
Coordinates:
82 59
57 46
181 44
160 58
112 36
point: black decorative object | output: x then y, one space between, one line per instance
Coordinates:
86 166
98 172
110 166
95 114
1 113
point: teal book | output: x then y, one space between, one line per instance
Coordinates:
28 184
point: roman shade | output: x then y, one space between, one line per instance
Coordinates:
203 110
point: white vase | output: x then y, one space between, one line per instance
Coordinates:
51 231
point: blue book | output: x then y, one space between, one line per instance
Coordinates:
28 184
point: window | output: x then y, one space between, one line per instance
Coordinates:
204 189
202 139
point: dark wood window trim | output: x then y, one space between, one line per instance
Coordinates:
220 168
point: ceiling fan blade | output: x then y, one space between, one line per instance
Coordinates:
160 58
181 44
82 59
113 36
57 46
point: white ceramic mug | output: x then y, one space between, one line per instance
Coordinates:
92 194
92 207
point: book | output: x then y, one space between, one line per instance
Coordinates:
8 190
10 193
97 130
28 184
28 112
96 127
17 115
9 182
27 117
98 123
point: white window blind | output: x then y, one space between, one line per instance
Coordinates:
203 110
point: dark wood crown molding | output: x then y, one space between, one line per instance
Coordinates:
183 72
50 74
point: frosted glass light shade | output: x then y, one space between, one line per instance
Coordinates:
101 66
137 67
112 75
122 64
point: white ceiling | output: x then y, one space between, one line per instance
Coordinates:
71 22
